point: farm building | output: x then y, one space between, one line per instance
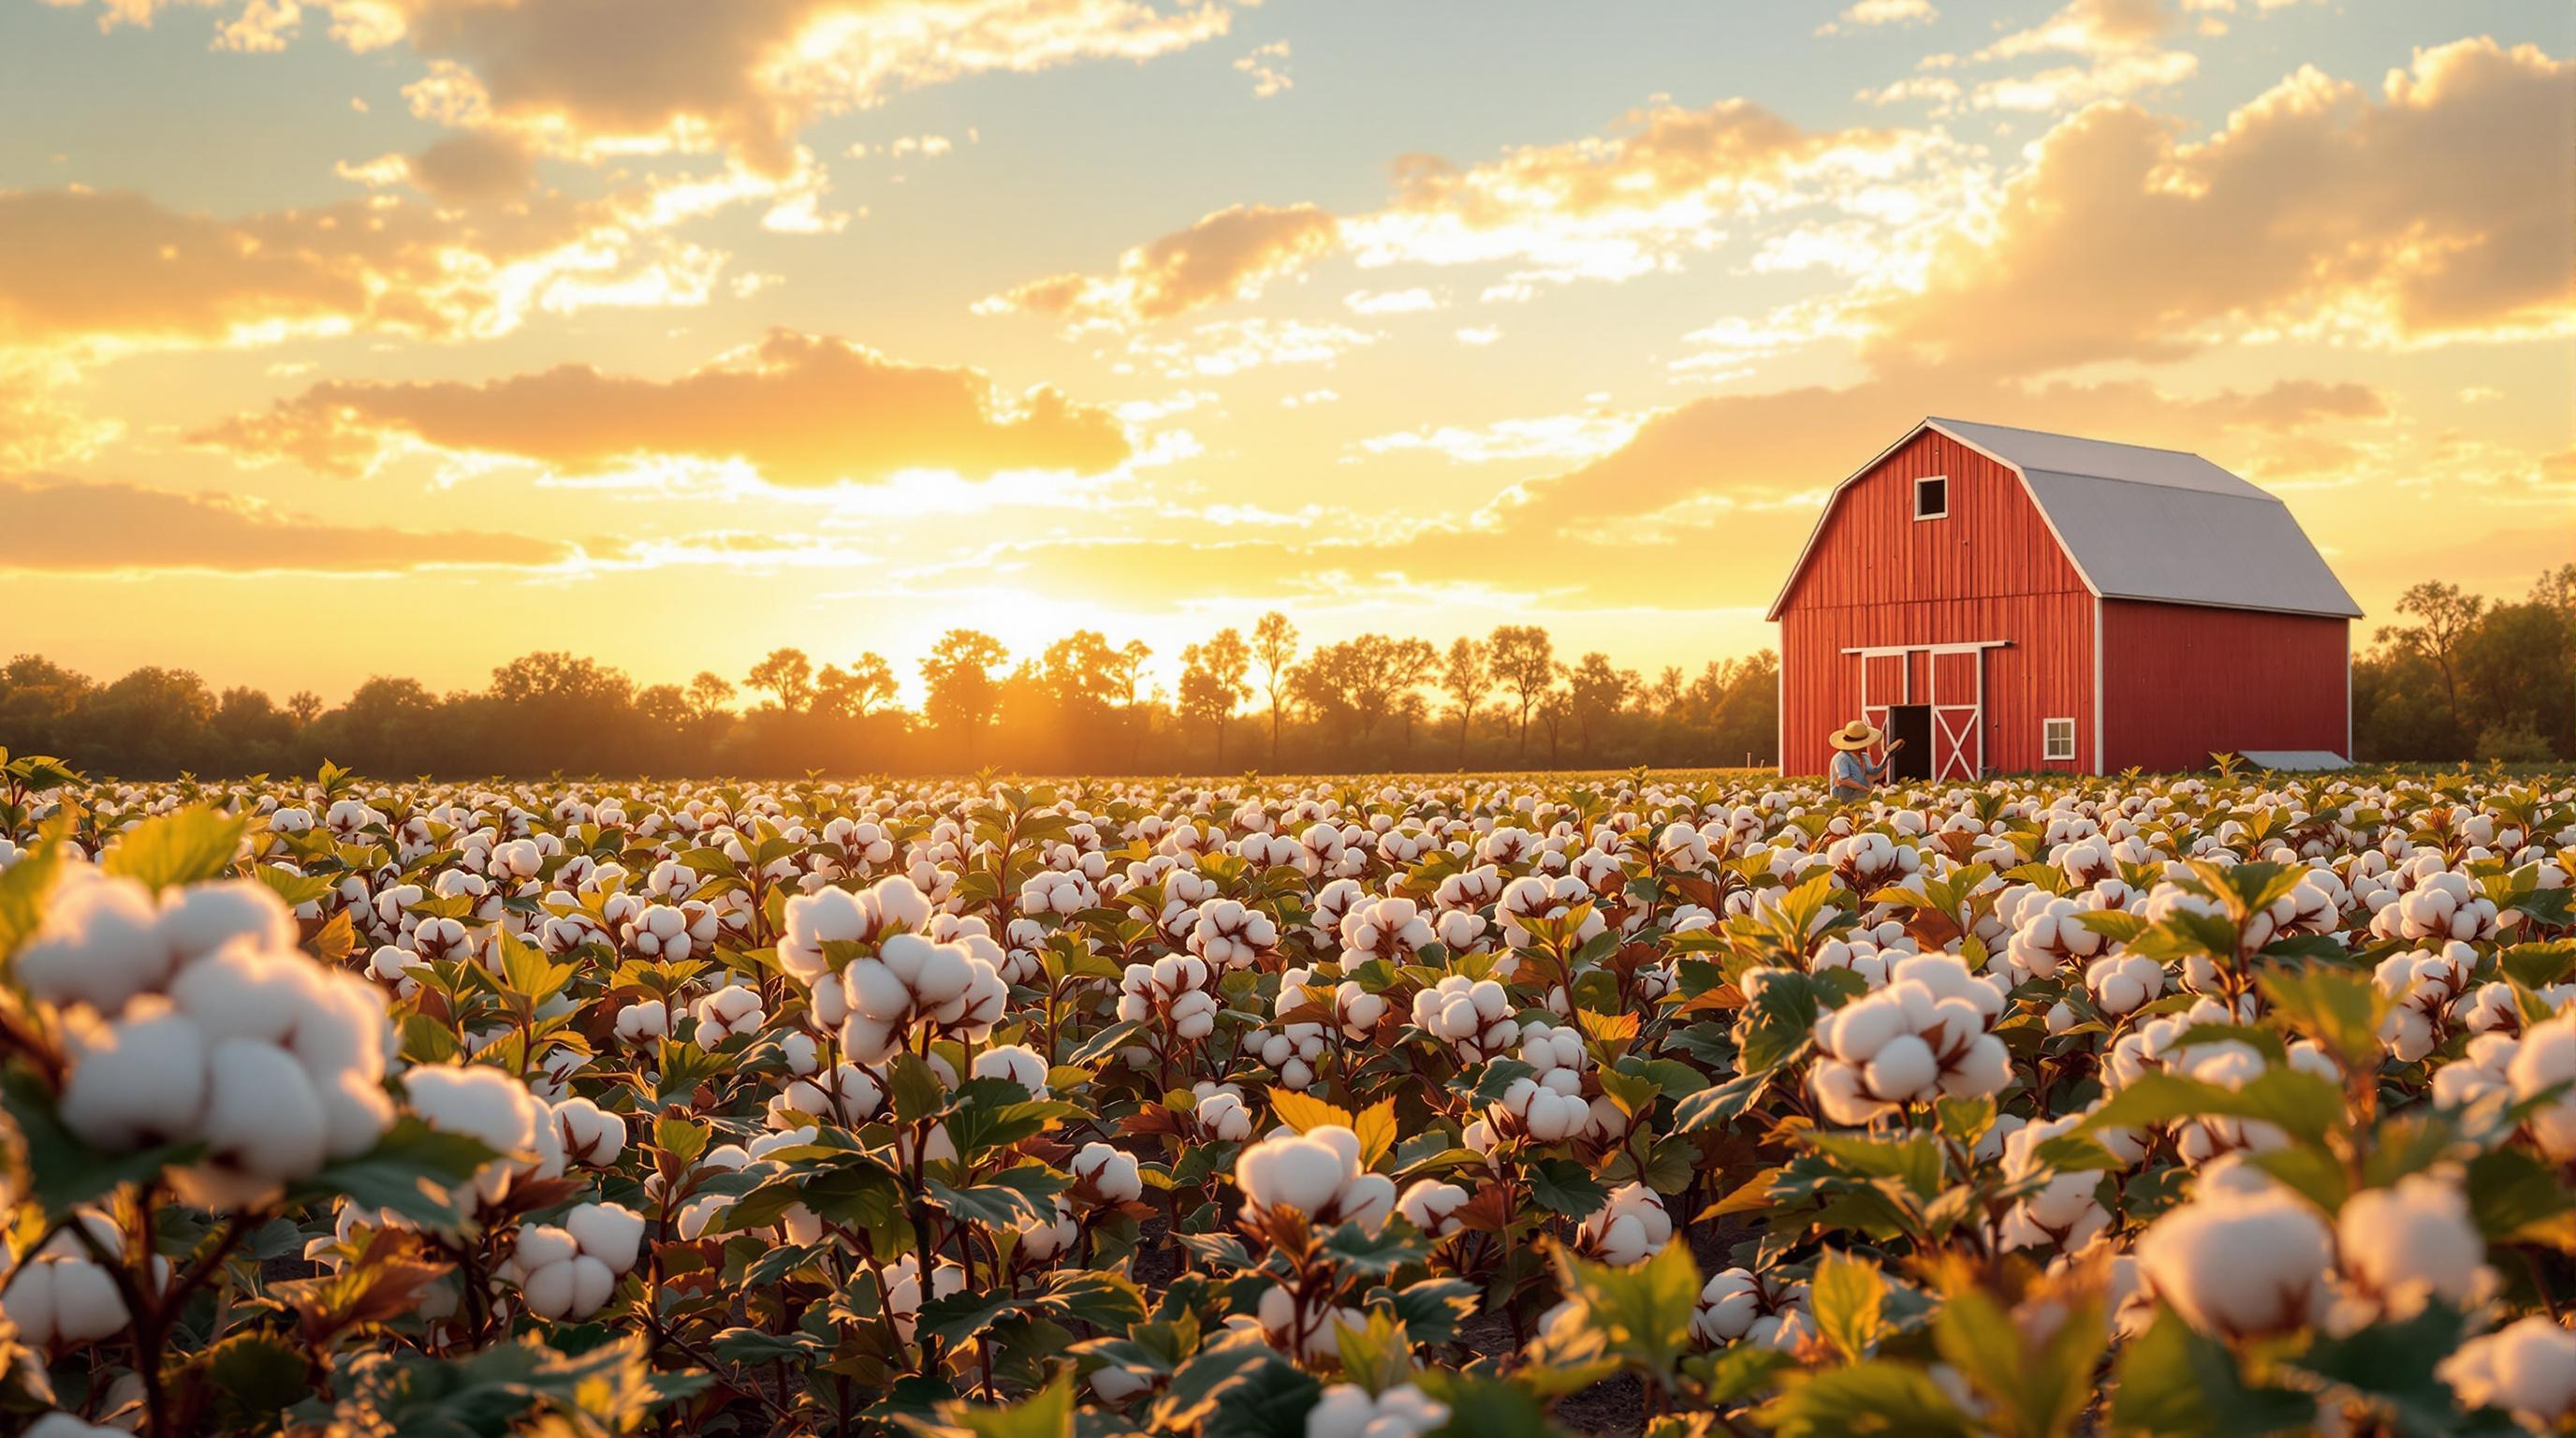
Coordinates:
2007 601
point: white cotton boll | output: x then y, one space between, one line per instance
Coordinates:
608 1232
244 992
1112 1173
574 1288
1304 1172
2122 984
542 1245
139 1082
725 1014
100 944
2546 1060
2527 1367
591 1136
1018 1063
1631 1227
262 1116
201 918
1432 1206
1223 1117
2412 1241
2240 1265
1902 1068
57 1302
643 1023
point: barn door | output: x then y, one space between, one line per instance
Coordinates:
1884 680
1957 693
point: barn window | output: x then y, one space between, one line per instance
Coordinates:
1932 497
2057 739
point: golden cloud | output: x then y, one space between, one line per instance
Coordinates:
84 268
2313 210
1606 207
799 410
68 526
741 76
1228 255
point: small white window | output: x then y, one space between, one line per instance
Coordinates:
2057 739
1932 497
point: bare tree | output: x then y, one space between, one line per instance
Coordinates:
1274 644
1466 678
1523 659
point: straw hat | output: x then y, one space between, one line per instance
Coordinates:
1855 735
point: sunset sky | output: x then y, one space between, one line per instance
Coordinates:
352 336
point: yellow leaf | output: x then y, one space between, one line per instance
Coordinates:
1306 1113
1376 1129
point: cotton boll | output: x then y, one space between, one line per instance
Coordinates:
2411 1242
1631 1227
2240 1265
2546 1060
64 1425
141 1081
573 1288
2527 1368
244 992
263 1119
608 1232
1432 1206
1016 1062
643 1023
591 1136
1304 1172
1111 1173
100 944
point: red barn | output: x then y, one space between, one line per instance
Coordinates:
2012 601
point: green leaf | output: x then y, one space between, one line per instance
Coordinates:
292 888
2172 1380
1005 1199
1872 1397
1047 1413
2393 1364
1849 1298
2339 1008
2039 1388
25 885
1642 1314
2301 1104
1560 1185
185 846
63 1171
1376 1353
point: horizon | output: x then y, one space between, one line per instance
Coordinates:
476 338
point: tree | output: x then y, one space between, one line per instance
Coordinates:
1212 682
1127 666
709 693
850 693
1465 678
305 705
958 677
1555 709
786 674
1524 661
1274 644
1597 690
2445 617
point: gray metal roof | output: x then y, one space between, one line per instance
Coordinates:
2163 525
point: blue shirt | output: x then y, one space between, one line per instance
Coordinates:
1851 771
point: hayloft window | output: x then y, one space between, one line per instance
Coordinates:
1932 497
2057 739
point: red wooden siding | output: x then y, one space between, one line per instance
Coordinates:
1991 570
2184 681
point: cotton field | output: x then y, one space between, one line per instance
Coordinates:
1313 1109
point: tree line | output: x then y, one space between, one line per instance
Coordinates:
2469 677
1265 700
2464 677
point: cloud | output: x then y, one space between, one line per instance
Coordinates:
1555 436
1871 13
2313 211
116 269
1228 255
62 525
798 410
1660 184
1268 67
743 77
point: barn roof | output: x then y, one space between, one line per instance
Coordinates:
2154 524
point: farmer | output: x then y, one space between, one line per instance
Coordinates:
1853 774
